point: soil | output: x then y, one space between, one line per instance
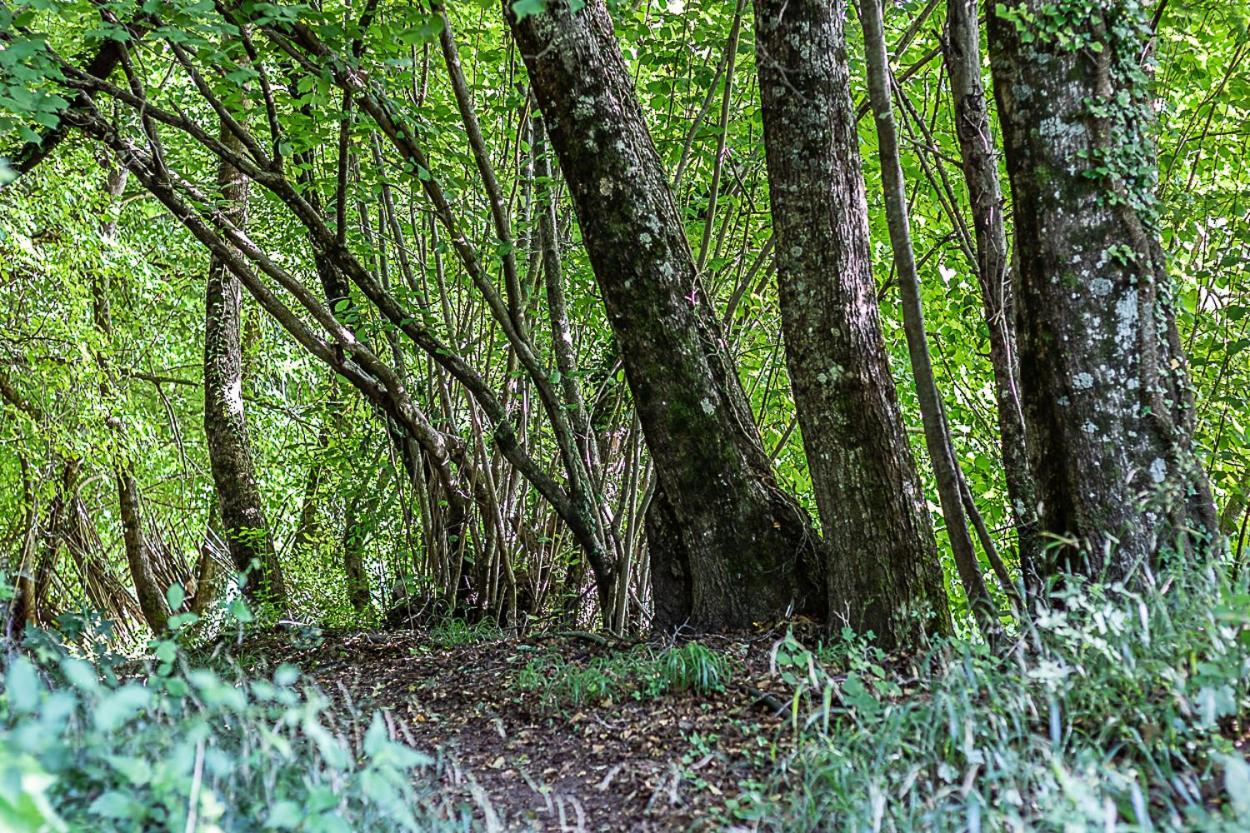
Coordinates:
674 762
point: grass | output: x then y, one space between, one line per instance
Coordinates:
1117 711
453 633
642 673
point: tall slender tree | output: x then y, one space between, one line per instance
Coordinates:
883 571
1106 398
139 555
932 412
225 423
962 50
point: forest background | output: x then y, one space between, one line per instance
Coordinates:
454 488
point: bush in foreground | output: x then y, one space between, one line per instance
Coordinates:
188 750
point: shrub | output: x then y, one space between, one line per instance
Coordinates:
187 749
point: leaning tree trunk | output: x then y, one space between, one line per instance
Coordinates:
962 48
932 414
1106 398
883 573
745 549
225 425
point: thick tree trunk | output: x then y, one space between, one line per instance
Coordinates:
1106 398
962 48
225 425
749 548
884 573
932 413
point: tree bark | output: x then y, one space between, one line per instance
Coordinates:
1106 398
139 555
932 414
225 423
883 572
748 547
962 50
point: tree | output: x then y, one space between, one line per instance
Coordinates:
883 569
932 412
139 553
728 547
225 422
1106 400
962 52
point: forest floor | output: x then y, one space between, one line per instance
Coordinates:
641 762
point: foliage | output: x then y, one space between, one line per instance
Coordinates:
326 470
1115 701
109 747
1118 710
641 673
452 633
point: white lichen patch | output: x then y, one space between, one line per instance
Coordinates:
1082 381
1126 320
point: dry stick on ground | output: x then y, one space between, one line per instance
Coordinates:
937 437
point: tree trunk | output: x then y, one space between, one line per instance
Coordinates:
225 426
962 49
143 572
748 547
932 414
1106 398
883 573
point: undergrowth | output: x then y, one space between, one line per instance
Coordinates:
641 673
109 747
1115 711
453 633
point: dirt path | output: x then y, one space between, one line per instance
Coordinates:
670 763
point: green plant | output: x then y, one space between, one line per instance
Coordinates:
188 749
1111 713
452 633
642 673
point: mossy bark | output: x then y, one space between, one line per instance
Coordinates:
883 568
749 549
1103 382
225 424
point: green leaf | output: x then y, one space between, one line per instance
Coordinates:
116 805
22 685
81 674
238 610
1237 784
284 815
525 8
135 770
285 675
120 706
